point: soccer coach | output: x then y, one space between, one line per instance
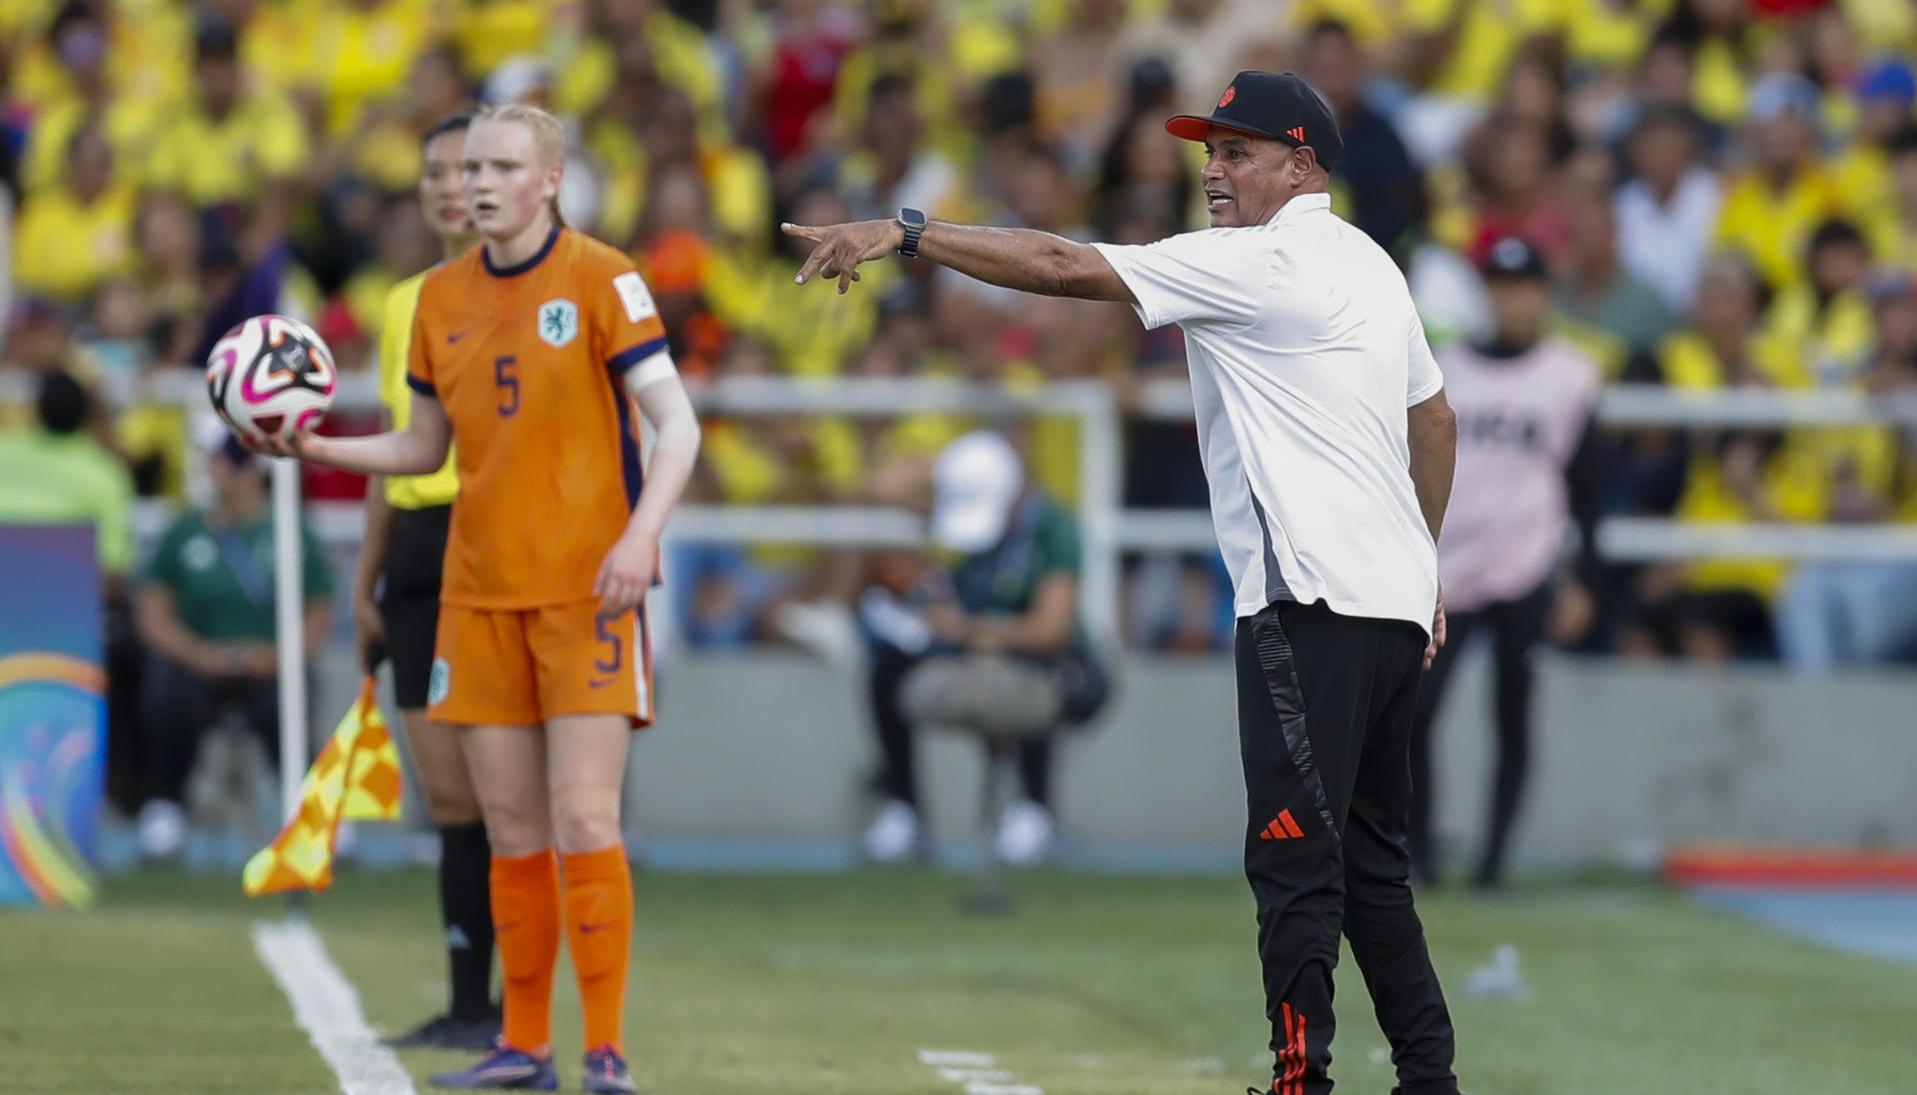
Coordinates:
1329 446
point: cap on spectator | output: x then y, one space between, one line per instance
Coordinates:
1513 257
1278 105
974 483
1781 93
1888 79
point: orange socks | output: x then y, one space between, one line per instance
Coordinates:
526 926
598 923
599 930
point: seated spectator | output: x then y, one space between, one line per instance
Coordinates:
78 233
1375 170
1615 316
206 613
40 341
894 166
1771 210
236 149
1715 609
1515 195
1837 613
993 645
115 332
90 80
1826 318
1884 95
1667 211
57 472
1892 223
169 239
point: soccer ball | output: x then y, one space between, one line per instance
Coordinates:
270 376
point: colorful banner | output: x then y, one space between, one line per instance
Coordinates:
52 714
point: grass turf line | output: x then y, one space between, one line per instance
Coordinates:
832 985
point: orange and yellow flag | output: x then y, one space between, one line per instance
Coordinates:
356 778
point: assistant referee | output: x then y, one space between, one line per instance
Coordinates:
1329 448
396 615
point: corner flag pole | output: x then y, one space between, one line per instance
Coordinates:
289 610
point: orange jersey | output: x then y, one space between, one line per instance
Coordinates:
529 363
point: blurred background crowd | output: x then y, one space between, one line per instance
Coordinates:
1724 191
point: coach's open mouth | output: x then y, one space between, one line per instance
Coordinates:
1216 200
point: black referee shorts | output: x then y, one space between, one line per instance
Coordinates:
409 598
1325 706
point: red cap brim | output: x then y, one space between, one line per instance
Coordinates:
1191 127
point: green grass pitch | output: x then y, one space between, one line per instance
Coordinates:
835 984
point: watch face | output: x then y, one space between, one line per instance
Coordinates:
913 217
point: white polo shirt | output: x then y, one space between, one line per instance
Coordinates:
1305 351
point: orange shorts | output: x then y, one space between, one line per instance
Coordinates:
520 667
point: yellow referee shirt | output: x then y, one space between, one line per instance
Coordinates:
408 491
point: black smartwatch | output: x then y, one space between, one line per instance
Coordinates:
913 221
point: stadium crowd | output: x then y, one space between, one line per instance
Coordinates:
1725 192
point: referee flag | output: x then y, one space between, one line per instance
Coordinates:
356 778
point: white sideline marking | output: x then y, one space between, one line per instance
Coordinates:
328 1010
979 1072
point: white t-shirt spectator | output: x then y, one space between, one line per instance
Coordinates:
1666 245
1305 351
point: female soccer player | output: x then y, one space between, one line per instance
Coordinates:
529 352
396 613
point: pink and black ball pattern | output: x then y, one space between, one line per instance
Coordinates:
270 376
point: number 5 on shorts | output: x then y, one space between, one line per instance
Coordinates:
617 658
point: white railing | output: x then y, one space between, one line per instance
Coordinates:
1110 529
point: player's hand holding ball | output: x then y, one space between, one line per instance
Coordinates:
271 379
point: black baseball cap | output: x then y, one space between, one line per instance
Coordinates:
1278 105
1513 258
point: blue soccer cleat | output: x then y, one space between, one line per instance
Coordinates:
504 1069
606 1073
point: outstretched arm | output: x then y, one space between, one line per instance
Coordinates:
1016 258
416 450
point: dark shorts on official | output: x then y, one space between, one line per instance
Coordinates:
409 598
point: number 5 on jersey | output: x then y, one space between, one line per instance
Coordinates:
506 376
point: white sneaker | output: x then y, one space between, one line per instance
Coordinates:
894 834
825 628
162 829
1025 835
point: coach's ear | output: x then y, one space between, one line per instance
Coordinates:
1304 162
